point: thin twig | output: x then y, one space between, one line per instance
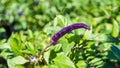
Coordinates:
42 52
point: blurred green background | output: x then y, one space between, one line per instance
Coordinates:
26 27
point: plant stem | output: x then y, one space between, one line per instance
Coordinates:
42 52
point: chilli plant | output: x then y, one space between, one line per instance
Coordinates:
24 51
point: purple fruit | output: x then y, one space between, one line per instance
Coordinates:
67 29
19 12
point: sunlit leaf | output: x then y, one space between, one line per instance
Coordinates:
63 61
61 20
16 62
116 29
4 46
82 64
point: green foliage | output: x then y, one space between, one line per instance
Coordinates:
36 21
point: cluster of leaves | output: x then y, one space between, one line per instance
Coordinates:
98 47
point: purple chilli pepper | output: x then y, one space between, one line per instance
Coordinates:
67 29
61 33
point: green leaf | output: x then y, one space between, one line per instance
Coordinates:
61 20
90 57
63 61
47 56
15 43
30 34
82 64
116 51
58 47
111 56
6 53
115 28
2 41
19 60
74 38
30 47
66 47
87 34
4 46
101 37
16 62
96 61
